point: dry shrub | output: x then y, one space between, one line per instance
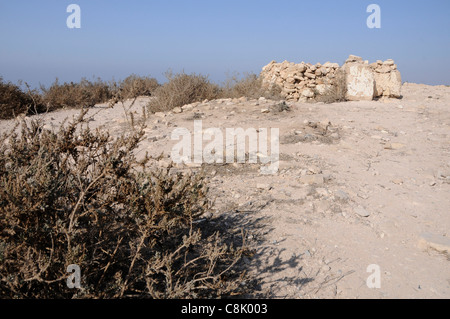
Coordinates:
249 86
13 101
182 89
80 197
76 95
336 92
134 86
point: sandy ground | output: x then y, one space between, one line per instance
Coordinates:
360 191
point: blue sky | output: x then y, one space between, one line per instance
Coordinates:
216 38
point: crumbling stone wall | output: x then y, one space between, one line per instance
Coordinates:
305 81
299 81
359 78
388 80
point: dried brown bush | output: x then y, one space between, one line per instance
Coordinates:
76 95
80 197
182 89
13 101
134 86
249 86
336 91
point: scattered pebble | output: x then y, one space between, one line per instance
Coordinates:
263 186
361 211
397 181
341 195
177 110
434 241
312 179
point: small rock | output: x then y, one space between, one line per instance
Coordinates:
397 181
299 195
341 195
325 123
160 114
322 191
177 110
397 146
265 111
310 75
314 170
394 146
326 268
335 135
321 206
187 107
263 186
312 179
363 196
354 58
434 241
308 93
361 211
327 176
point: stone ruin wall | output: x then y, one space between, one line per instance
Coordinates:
363 81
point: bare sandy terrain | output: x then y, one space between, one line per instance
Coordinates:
362 190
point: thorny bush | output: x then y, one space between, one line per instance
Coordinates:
79 196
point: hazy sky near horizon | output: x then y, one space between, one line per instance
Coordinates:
217 38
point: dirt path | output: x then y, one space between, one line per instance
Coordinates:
359 183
